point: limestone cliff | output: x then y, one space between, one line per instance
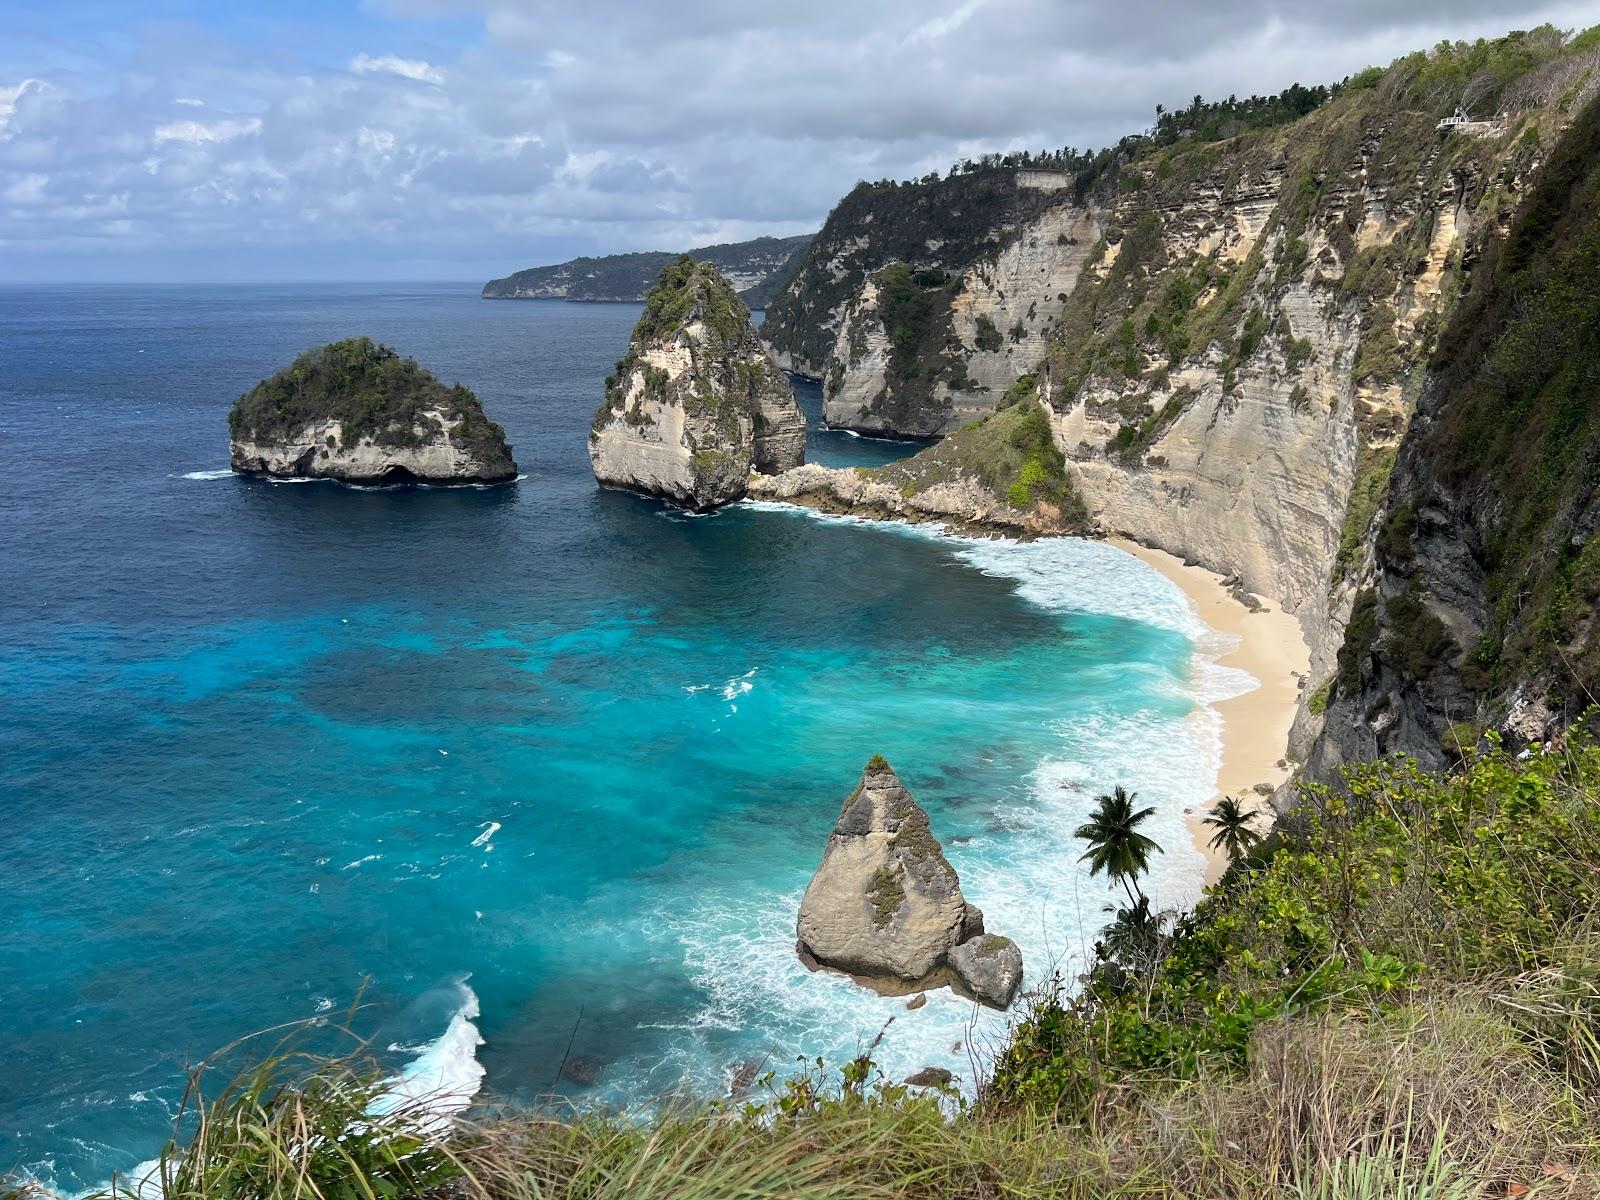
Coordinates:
887 906
1475 606
1235 321
357 412
919 304
697 403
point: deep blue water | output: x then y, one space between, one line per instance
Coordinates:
266 748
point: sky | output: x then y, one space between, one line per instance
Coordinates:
175 140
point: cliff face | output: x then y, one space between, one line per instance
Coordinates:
1475 608
1232 375
357 412
926 351
697 403
918 304
755 269
1230 336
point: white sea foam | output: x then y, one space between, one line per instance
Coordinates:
441 1081
1024 872
429 1092
224 474
740 685
484 839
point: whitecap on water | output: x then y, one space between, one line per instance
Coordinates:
201 475
429 1092
1024 872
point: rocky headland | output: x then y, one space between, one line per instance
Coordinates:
1236 328
357 412
1001 474
755 269
886 906
697 404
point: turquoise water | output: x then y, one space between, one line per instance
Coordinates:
267 748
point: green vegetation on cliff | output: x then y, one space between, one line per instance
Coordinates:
967 217
1518 429
1488 570
685 293
1011 454
373 393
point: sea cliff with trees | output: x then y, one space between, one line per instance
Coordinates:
1394 992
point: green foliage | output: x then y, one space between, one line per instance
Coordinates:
372 392
1235 827
1042 475
878 763
687 291
1010 453
914 307
987 337
1378 357
1115 844
1024 389
1374 465
887 222
296 1126
886 894
1474 74
1318 703
1360 636
1401 878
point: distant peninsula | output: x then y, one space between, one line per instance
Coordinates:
757 270
358 412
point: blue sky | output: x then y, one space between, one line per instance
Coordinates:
458 139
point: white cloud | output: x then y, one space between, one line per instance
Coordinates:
28 190
198 132
393 64
11 96
670 125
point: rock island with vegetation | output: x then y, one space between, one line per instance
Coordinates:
358 412
697 403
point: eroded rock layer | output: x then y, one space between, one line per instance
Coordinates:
697 403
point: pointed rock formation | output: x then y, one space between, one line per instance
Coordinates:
887 907
697 403
357 412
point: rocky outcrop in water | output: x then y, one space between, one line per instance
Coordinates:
887 907
357 412
697 403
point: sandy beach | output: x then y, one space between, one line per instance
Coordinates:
1255 726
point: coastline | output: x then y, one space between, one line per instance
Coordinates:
1255 725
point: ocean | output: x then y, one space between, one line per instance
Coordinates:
527 773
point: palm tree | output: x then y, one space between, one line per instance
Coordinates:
1115 844
1235 828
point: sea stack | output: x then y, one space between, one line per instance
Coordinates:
358 412
697 403
886 906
